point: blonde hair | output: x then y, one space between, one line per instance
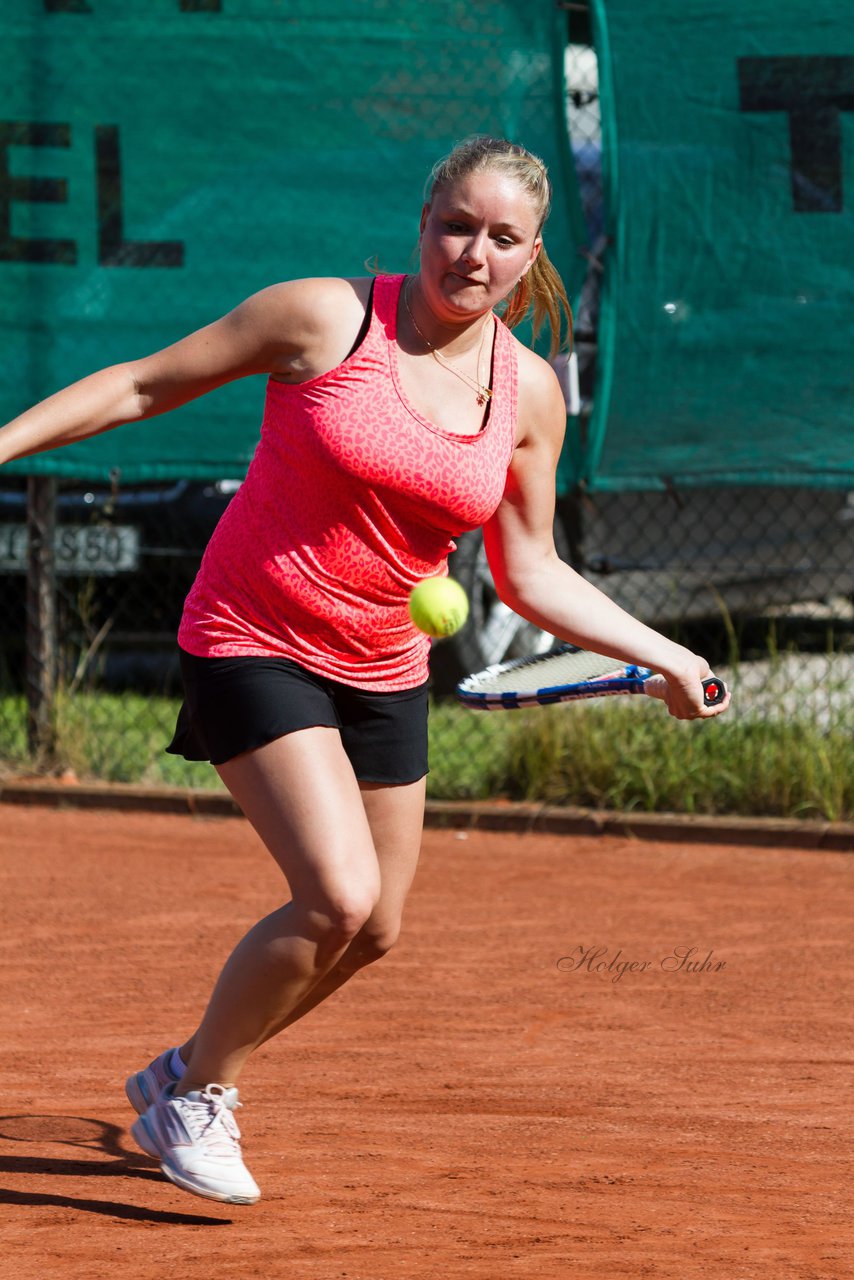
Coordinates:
541 286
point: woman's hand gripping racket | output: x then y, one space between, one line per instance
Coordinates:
564 675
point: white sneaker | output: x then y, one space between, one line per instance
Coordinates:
144 1087
197 1141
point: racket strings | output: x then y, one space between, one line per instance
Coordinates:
563 667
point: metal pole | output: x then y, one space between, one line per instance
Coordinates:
41 620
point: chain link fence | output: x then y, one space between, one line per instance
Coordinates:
759 580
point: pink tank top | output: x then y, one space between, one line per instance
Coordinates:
352 498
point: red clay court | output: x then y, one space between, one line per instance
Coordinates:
529 1085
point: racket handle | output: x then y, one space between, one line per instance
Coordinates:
714 690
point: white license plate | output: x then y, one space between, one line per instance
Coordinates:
78 549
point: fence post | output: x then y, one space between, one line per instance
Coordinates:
41 620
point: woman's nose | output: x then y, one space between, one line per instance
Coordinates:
475 249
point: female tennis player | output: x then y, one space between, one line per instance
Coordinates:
400 411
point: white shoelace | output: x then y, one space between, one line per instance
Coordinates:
210 1121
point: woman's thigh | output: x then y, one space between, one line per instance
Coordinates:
300 794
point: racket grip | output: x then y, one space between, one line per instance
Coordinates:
714 689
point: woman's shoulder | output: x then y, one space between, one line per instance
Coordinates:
315 295
304 323
539 387
541 409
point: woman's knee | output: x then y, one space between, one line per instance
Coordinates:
339 916
373 941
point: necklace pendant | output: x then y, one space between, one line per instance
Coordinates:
484 394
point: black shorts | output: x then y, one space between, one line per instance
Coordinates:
232 705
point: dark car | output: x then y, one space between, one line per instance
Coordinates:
125 558
704 560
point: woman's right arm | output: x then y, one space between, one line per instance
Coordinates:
268 333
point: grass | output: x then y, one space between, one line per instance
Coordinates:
630 758
616 754
108 737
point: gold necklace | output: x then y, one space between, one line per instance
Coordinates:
484 393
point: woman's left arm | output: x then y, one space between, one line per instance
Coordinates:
533 581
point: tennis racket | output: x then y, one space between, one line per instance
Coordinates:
564 675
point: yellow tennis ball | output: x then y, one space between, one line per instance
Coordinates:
438 606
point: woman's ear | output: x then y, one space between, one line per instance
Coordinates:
538 244
425 213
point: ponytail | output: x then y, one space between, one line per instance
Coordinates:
542 287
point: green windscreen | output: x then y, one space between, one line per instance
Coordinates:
161 161
728 306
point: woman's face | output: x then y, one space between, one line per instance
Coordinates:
477 239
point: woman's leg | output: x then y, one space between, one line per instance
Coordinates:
395 815
301 796
329 838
